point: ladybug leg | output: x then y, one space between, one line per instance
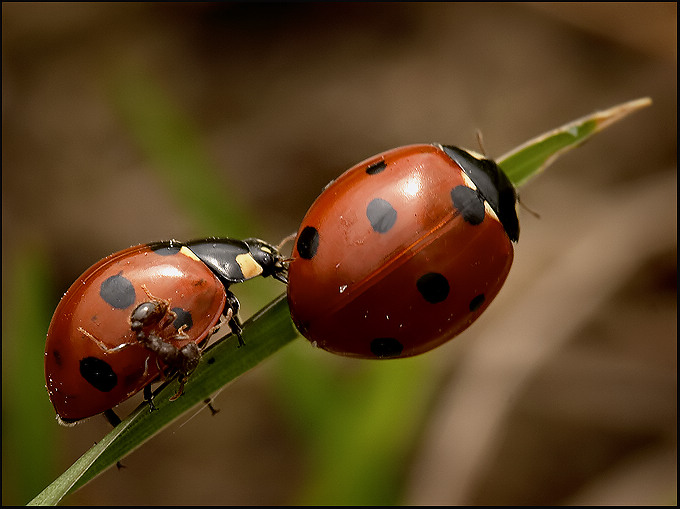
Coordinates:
208 402
233 305
235 326
148 397
111 416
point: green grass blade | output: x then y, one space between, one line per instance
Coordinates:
264 334
531 158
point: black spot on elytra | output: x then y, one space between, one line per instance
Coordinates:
434 287
381 215
386 347
183 318
374 168
118 291
98 373
308 242
469 203
57 357
476 302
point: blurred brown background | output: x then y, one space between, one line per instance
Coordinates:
564 392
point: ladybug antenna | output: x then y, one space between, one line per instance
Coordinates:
288 238
480 142
530 211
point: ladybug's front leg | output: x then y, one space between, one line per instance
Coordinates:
234 323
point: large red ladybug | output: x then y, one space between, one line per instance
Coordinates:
142 312
402 252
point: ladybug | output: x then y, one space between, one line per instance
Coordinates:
402 252
143 312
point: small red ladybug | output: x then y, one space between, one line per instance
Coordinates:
141 313
402 252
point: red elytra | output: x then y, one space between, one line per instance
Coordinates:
82 378
402 252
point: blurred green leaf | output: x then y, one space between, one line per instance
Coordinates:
172 145
27 415
360 423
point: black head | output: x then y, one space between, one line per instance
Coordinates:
269 258
493 185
